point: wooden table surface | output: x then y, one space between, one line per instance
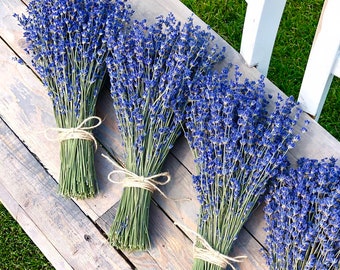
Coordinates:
72 233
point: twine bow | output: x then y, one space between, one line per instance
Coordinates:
79 132
210 255
133 180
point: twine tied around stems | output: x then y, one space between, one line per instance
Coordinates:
134 180
208 254
81 131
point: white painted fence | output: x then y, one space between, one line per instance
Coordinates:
260 28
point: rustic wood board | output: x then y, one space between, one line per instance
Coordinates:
9 28
24 105
170 249
29 192
32 230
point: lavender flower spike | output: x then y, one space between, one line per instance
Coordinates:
303 217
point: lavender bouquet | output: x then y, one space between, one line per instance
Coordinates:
65 39
239 143
303 217
149 67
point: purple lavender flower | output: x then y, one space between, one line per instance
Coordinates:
150 68
308 237
65 39
238 147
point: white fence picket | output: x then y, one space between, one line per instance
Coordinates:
321 66
259 32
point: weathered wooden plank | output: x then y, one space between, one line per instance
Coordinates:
181 152
170 248
163 242
32 230
109 127
34 203
246 246
316 143
10 31
256 224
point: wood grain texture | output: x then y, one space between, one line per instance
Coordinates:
30 192
246 246
32 230
25 107
10 31
256 224
170 249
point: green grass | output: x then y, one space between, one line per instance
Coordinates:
226 17
17 251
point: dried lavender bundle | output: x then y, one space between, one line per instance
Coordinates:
303 217
149 68
238 147
65 39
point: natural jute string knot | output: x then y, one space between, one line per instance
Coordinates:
208 254
133 180
81 131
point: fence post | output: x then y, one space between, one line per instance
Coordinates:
323 61
259 32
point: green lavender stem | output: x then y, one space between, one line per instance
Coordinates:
129 230
203 265
222 241
77 171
